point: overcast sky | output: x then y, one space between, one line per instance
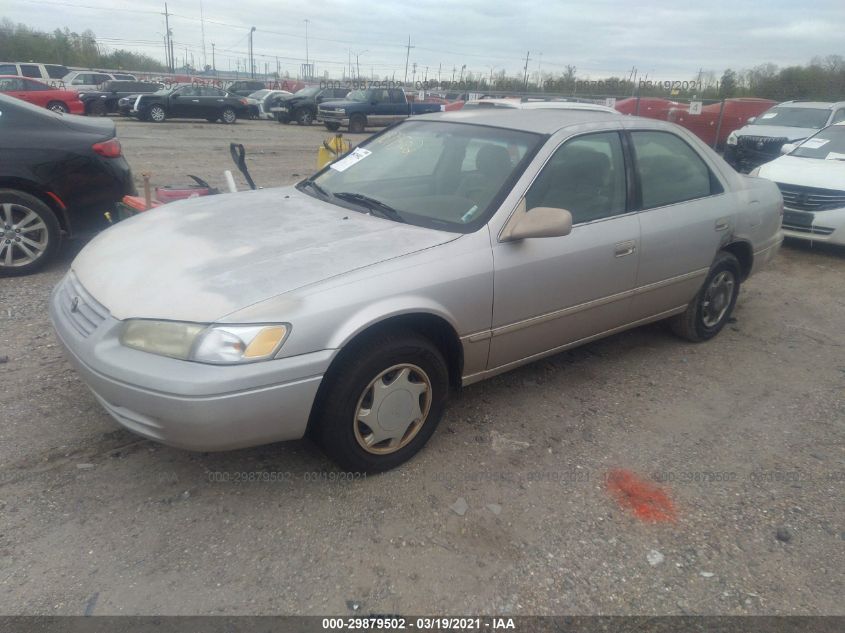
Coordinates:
601 38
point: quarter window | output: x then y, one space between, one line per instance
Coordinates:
670 170
34 85
585 176
29 70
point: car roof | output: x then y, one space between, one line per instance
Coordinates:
536 120
815 105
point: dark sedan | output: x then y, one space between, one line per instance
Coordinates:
190 102
105 100
59 174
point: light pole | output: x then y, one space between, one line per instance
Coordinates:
307 67
251 59
213 65
357 65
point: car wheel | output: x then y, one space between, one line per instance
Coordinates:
156 114
228 115
58 106
357 124
381 401
304 117
711 308
333 127
29 233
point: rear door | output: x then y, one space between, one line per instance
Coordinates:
555 291
14 87
685 217
213 101
38 93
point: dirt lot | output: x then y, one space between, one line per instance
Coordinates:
744 432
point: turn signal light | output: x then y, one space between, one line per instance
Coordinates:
109 149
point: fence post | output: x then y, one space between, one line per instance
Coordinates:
719 125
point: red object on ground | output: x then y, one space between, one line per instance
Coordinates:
648 501
169 193
40 94
737 112
137 203
454 105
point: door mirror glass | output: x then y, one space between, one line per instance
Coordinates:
538 222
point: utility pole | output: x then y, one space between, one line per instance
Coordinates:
414 74
213 64
307 67
525 75
463 68
540 71
454 70
407 56
168 47
251 58
202 34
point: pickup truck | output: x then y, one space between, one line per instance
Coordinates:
371 107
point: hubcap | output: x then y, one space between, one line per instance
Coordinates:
717 298
392 409
157 114
23 235
228 116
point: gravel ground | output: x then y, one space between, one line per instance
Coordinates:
505 511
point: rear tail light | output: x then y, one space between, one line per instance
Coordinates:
109 149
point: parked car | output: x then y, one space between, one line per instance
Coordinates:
442 251
106 100
189 102
245 87
372 107
58 175
85 80
790 122
257 102
40 94
52 74
707 124
650 107
302 105
811 178
538 104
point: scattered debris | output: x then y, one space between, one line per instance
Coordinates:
353 605
85 466
460 507
706 574
654 558
783 534
503 443
495 508
4 359
648 501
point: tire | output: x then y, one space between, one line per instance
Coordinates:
349 386
58 106
357 124
304 116
712 306
228 115
18 224
156 114
285 120
333 127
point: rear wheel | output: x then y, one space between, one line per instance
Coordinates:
156 114
381 401
304 116
58 106
29 233
711 308
228 115
357 123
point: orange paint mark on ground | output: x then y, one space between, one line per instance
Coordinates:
648 501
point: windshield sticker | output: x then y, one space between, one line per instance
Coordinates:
769 115
356 155
835 156
815 143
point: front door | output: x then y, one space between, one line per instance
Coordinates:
554 291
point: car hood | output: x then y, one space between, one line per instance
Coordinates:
203 258
806 172
777 131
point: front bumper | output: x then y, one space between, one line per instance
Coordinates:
819 226
184 404
331 116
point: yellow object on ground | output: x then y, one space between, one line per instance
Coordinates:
331 149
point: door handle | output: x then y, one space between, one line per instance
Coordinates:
195 100
721 224
621 249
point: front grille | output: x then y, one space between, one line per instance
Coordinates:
330 114
759 149
811 198
79 308
802 222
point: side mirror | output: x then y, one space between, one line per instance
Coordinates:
751 119
538 222
175 95
786 148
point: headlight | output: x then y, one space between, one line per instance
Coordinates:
216 344
732 138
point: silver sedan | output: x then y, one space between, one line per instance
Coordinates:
440 252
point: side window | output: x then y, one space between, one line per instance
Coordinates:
838 116
9 84
56 72
99 79
82 79
396 96
8 69
30 70
670 170
586 176
28 84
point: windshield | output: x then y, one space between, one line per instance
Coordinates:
432 173
794 117
828 144
307 92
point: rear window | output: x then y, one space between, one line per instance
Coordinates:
55 71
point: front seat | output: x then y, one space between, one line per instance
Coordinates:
493 165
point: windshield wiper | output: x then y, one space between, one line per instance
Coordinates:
375 206
308 182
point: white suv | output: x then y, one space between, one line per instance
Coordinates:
84 80
51 74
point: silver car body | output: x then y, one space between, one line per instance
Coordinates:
281 255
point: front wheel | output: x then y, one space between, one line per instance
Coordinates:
58 106
357 124
304 117
711 308
29 233
228 115
156 114
381 401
